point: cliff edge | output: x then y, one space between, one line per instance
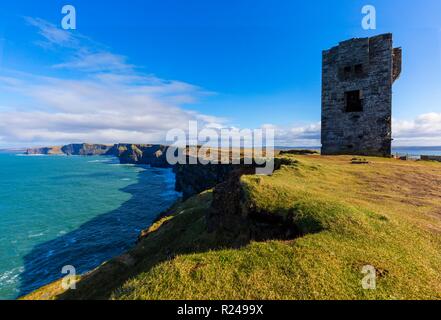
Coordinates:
306 232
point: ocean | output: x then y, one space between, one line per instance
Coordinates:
57 211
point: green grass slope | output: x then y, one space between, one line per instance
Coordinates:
385 213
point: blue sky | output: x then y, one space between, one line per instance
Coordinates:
134 69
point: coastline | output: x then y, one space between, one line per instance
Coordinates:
51 206
208 237
218 213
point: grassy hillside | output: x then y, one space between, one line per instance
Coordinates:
386 213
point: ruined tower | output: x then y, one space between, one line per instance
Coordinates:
357 96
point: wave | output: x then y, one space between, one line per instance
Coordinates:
85 236
11 276
37 235
40 155
100 161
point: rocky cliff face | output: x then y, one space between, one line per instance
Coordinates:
44 150
234 214
86 149
146 154
192 179
80 149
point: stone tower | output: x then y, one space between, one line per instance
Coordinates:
357 96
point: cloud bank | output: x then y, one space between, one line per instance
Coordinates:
425 130
108 100
104 108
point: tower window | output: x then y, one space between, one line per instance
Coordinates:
353 101
358 68
347 72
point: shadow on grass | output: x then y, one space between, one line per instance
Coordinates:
209 221
185 234
101 238
206 222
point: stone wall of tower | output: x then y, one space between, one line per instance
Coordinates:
368 67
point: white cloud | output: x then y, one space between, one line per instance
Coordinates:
111 101
52 36
93 62
424 130
101 109
307 135
83 53
108 101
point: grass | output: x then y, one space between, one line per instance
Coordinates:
385 213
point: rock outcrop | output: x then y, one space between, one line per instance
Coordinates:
233 213
144 154
147 154
78 149
44 151
86 149
192 179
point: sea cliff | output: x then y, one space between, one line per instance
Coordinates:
148 154
306 232
75 149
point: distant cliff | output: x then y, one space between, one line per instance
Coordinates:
44 150
79 149
148 154
144 154
85 149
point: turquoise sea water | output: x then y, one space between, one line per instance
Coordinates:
79 211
